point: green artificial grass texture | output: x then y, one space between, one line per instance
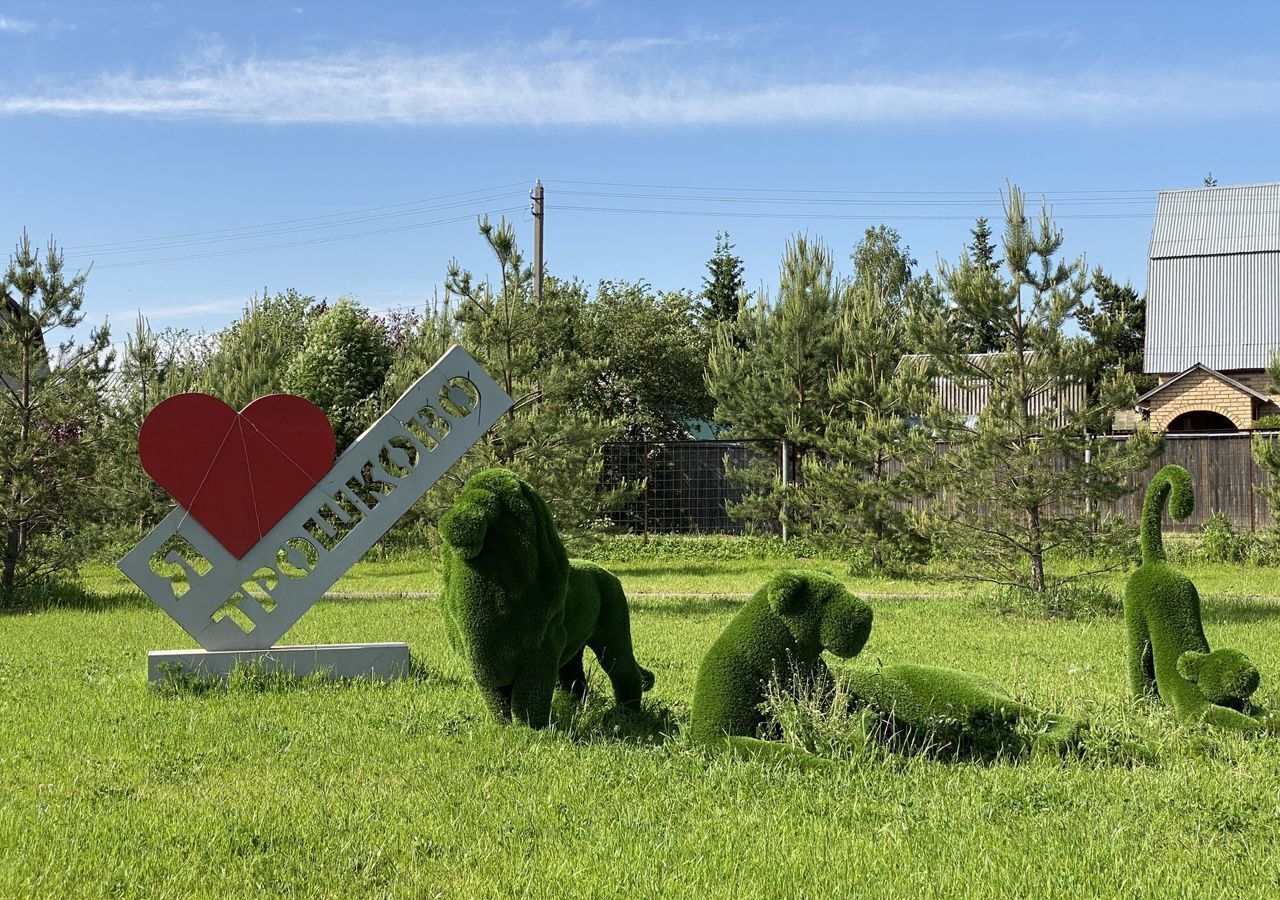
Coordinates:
1168 652
109 788
780 636
520 611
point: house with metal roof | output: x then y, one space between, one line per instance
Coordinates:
1213 308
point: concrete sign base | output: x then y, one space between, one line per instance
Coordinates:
373 661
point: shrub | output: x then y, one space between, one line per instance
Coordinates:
1220 542
1068 600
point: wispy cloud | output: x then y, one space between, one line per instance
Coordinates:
16 26
193 310
580 88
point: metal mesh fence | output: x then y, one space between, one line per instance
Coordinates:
682 486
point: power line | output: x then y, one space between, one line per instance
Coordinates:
796 215
338 215
841 201
304 228
318 240
687 187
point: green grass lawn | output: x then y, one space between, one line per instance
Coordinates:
406 789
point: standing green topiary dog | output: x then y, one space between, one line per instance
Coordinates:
780 633
1169 656
520 611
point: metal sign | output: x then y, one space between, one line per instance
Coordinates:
248 603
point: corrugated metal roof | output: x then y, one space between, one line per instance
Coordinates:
969 397
1223 311
1213 280
1208 221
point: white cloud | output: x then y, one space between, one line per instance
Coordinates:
572 86
16 26
192 310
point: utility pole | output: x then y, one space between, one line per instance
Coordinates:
537 210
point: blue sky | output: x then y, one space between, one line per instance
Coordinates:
197 152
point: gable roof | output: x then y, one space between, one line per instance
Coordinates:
1213 279
1242 218
1199 367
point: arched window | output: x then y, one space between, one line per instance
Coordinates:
1200 420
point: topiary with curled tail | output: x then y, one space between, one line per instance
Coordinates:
780 634
520 611
1169 655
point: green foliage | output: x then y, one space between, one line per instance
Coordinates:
55 489
251 356
152 367
645 353
553 435
954 714
341 367
1265 450
724 284
1220 542
417 343
780 634
768 370
627 547
1024 477
1064 600
1168 650
519 612
975 333
823 369
1116 324
873 449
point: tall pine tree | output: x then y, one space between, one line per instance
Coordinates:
871 456
1024 478
54 493
769 370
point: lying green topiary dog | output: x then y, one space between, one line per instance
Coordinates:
520 611
1169 656
780 633
952 712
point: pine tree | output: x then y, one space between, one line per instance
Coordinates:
1116 324
983 274
856 489
724 284
769 370
53 493
1025 478
151 368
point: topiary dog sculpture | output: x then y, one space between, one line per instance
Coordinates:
780 633
520 611
1169 656
949 711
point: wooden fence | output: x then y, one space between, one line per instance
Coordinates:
1224 476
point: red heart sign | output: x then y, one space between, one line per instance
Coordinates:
236 473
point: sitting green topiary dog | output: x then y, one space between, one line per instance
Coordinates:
1169 656
952 712
520 611
780 633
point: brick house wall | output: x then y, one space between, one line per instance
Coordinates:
1199 391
